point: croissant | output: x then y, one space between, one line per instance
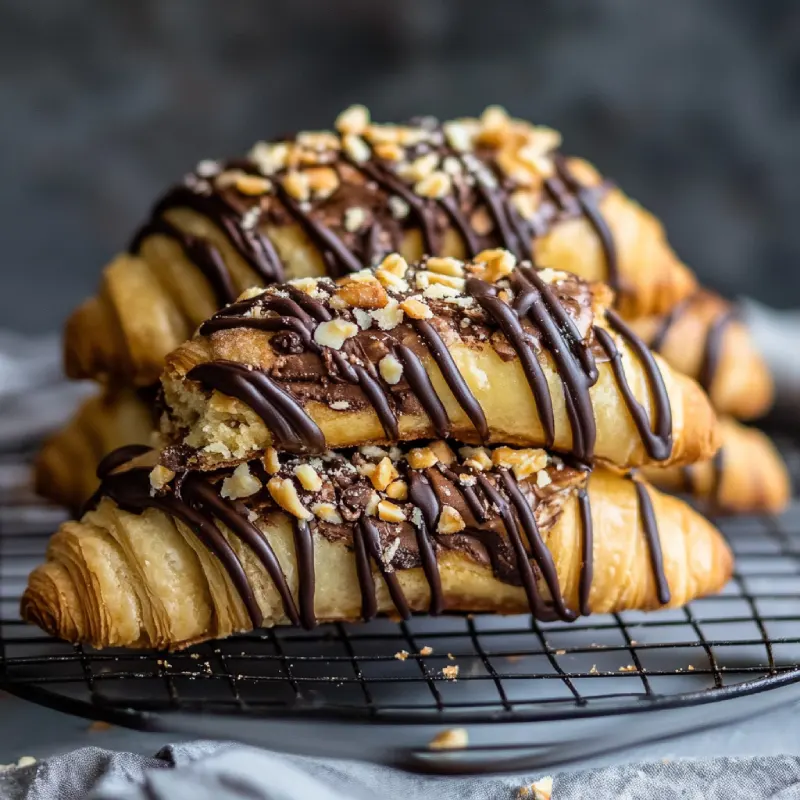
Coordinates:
402 353
65 469
327 203
746 476
703 338
166 560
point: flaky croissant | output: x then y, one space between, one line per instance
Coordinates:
703 338
65 469
166 560
746 476
403 353
327 203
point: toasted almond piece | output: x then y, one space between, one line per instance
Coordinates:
416 309
397 490
352 120
334 333
363 293
421 458
272 463
327 512
160 476
391 369
446 266
284 493
308 477
396 264
383 474
476 457
241 483
450 521
389 512
443 452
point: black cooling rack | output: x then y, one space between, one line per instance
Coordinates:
558 681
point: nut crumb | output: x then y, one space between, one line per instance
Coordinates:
539 790
450 739
426 651
628 668
690 668
401 655
451 672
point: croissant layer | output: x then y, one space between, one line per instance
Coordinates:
327 204
508 531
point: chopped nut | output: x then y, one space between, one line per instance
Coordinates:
451 739
334 333
270 158
363 294
451 281
499 264
389 512
458 135
450 672
441 292
363 319
228 178
396 264
426 651
446 266
297 185
525 203
390 280
354 218
436 185
481 222
443 452
285 495
420 168
450 521
421 458
318 140
371 508
523 462
252 185
323 181
541 164
397 490
382 133
543 478
476 457
306 285
241 483
383 474
272 463
327 512
452 166
416 309
308 477
356 148
398 207
391 369
352 120
160 476
388 317
389 151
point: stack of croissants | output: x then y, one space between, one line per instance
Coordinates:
396 369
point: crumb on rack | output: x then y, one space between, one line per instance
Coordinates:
593 670
401 655
426 651
450 739
451 673
539 790
628 668
99 726
561 652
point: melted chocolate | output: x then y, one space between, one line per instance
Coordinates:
649 525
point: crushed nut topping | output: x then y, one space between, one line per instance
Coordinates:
421 458
327 512
334 333
450 521
391 369
416 308
284 493
397 490
389 512
524 462
160 476
308 477
354 119
383 474
241 483
271 461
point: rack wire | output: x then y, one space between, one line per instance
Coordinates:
510 669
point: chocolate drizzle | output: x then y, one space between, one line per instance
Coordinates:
516 551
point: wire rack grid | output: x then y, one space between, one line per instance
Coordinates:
509 669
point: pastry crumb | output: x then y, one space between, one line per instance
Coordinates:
450 739
628 668
451 673
690 668
561 652
451 656
426 651
594 670
539 790
401 655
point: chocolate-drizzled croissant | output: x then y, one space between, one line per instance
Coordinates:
165 560
746 476
703 338
531 358
326 203
65 469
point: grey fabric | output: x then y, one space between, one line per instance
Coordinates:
211 771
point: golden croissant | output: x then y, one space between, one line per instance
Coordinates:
747 475
703 338
402 353
166 560
328 204
65 469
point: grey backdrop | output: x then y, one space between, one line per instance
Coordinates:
692 105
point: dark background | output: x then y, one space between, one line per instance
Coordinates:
693 106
